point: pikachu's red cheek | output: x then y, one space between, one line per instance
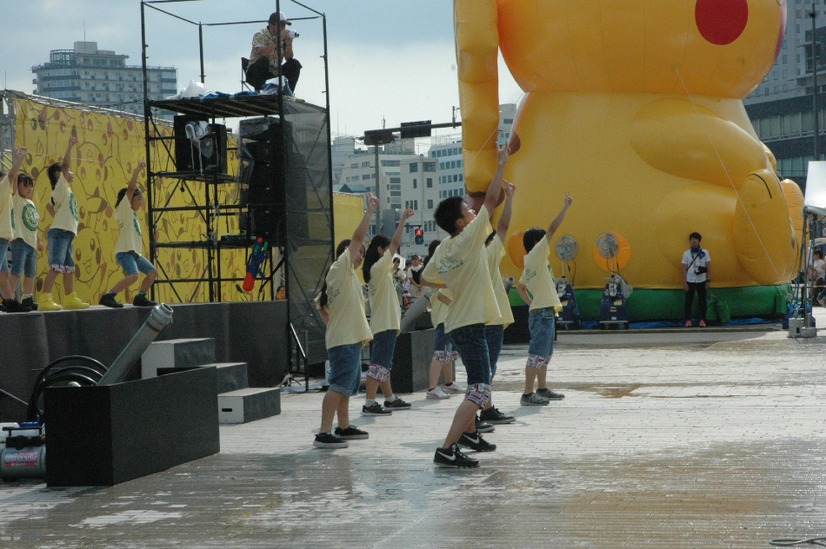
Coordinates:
721 22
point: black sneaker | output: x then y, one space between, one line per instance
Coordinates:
12 306
143 301
494 416
397 404
483 427
474 441
28 304
328 440
375 409
550 395
453 457
351 433
109 300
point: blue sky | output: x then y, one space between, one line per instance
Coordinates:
390 61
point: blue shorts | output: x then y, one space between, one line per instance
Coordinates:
473 348
132 262
24 259
345 369
442 342
495 335
61 251
4 248
542 325
382 348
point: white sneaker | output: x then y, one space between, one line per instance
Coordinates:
437 393
454 388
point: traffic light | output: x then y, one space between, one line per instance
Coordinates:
419 235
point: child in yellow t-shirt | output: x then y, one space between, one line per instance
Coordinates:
385 320
63 208
27 243
341 305
538 290
7 184
459 264
495 330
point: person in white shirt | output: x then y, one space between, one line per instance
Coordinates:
696 278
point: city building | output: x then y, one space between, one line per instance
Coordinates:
406 177
781 107
91 76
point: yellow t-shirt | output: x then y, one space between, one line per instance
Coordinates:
6 230
25 219
538 277
438 310
345 301
65 207
494 254
459 262
129 228
385 312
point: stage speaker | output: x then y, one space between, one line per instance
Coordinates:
200 147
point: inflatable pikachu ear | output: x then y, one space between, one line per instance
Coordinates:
477 50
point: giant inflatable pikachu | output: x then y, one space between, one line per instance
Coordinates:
635 106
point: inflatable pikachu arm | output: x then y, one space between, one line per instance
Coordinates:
477 47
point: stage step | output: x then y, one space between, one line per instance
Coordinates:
231 375
177 353
245 405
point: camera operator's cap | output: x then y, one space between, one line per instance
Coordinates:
276 17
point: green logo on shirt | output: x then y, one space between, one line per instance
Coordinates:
30 217
137 224
73 207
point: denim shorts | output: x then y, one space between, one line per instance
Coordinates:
442 342
131 263
4 248
61 250
473 348
24 259
345 369
494 334
542 325
382 348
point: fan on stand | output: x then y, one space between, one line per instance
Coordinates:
566 250
613 310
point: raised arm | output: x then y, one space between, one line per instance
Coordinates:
361 231
505 218
19 157
396 241
560 217
133 183
67 158
495 187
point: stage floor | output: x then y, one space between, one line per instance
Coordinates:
691 438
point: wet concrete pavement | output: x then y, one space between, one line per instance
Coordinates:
681 438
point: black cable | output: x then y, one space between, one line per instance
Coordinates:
85 371
785 542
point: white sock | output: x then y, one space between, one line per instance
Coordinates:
390 398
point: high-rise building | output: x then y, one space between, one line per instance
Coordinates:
781 107
91 76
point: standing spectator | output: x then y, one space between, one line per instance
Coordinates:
696 278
